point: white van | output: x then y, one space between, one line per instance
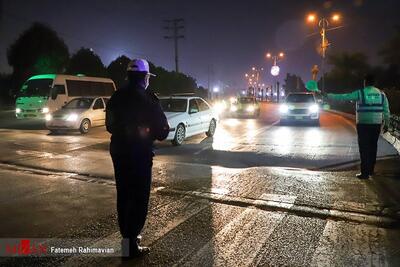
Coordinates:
43 94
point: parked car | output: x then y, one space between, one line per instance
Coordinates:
79 114
299 107
188 116
245 106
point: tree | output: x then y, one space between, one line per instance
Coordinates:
171 82
86 62
391 49
294 83
347 73
117 70
38 50
389 76
5 90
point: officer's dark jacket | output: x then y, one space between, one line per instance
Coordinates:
134 118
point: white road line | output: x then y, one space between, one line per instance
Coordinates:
344 245
239 242
163 218
203 149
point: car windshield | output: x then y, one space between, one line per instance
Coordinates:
173 105
300 98
79 103
37 87
246 100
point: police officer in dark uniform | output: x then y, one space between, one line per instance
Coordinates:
135 120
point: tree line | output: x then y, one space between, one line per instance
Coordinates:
39 50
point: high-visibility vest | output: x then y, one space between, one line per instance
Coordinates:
370 106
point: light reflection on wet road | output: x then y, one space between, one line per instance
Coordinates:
238 142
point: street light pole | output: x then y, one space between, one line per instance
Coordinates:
323 24
275 69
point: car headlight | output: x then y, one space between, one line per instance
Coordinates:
45 110
17 110
72 117
234 108
284 109
220 107
250 108
314 108
48 117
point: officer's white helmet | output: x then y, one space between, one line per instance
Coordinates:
139 65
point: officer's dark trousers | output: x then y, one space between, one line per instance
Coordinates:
368 135
133 181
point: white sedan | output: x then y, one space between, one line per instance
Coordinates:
299 107
79 114
188 116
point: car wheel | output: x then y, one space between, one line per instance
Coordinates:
211 128
179 135
85 126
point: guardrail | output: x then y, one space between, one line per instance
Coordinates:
394 127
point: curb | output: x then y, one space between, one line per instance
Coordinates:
394 141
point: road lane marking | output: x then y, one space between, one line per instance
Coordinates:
358 245
161 220
202 150
239 241
41 154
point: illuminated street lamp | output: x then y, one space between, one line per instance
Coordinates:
323 24
254 77
275 68
275 58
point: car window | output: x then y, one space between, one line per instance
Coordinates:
79 103
98 104
202 104
59 89
173 105
300 98
193 107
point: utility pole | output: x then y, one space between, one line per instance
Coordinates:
175 25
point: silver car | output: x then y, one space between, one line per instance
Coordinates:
79 114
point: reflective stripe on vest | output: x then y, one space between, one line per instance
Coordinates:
362 106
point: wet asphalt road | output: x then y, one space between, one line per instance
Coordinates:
242 198
238 143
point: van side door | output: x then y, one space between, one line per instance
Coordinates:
58 97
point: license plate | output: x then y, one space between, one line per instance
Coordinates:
299 117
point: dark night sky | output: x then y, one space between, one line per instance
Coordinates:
227 37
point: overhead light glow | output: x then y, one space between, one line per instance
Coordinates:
336 17
311 18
